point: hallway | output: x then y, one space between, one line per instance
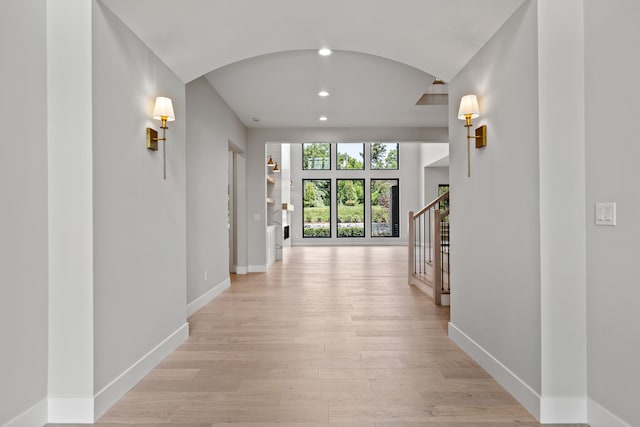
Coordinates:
331 336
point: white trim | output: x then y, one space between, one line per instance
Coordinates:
524 394
208 296
424 288
240 269
110 394
36 415
257 269
563 410
68 410
599 416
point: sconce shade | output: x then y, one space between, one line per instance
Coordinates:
270 162
163 108
469 106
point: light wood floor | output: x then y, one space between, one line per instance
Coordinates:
329 337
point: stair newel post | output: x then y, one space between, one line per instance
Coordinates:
412 252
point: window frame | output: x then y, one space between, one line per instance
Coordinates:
330 165
364 209
362 144
371 205
330 221
397 168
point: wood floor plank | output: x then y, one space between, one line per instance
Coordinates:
329 337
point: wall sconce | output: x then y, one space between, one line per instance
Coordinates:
468 111
270 162
162 110
276 169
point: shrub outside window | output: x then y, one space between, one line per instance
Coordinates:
316 207
350 203
385 212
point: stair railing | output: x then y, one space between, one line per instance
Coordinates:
429 249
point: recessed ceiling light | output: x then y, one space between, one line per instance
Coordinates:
325 52
323 93
323 118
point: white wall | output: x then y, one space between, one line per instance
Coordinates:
139 218
210 126
495 299
429 154
562 216
612 173
588 322
256 184
286 184
23 216
408 176
70 188
433 177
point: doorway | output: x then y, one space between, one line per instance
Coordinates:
231 210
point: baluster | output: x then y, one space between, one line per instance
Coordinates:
437 264
430 242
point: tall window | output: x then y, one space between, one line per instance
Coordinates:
384 155
316 156
444 205
385 208
350 199
350 155
316 207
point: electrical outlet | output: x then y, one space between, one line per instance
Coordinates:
206 275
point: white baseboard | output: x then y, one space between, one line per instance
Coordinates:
85 410
426 289
114 391
37 415
71 410
524 394
257 269
599 416
240 269
207 297
563 410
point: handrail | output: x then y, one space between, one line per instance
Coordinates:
428 237
432 204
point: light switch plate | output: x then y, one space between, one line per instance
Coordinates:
606 213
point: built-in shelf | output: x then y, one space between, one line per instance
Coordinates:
271 201
271 180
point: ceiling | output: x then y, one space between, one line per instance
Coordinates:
260 54
281 90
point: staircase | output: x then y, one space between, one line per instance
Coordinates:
429 262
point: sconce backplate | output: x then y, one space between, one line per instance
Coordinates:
481 136
152 139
